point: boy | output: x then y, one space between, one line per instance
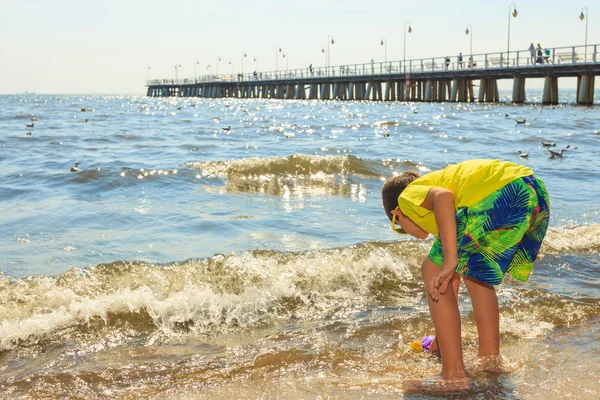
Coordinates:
489 218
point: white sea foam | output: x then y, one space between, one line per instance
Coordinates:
238 290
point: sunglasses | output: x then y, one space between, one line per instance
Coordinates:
398 230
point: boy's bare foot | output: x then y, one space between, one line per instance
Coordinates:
494 364
437 384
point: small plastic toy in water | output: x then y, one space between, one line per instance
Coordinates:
423 344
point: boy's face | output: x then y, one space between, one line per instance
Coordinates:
407 225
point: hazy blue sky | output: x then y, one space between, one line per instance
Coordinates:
105 46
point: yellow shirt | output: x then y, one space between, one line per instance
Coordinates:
470 181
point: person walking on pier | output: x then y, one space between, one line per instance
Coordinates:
310 69
532 53
540 58
460 61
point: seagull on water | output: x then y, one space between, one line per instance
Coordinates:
227 128
547 143
34 118
556 154
522 154
29 125
520 121
75 168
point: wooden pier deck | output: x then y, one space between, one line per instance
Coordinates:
428 80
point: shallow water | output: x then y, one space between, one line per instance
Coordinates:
187 261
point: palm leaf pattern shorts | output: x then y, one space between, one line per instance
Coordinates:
501 233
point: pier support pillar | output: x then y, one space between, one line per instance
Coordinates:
518 94
428 90
454 92
585 89
367 95
550 95
442 92
471 90
313 92
359 91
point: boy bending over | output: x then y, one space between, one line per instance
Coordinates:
489 218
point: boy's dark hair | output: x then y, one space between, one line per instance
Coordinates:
393 187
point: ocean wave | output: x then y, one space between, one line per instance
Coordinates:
572 239
298 172
252 289
201 296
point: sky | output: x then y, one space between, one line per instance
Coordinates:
111 47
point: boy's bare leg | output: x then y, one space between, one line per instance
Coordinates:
446 321
455 282
485 307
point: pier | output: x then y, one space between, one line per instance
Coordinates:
468 78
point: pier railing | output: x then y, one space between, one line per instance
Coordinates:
573 55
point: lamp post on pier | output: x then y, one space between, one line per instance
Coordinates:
256 61
467 32
177 66
217 65
585 16
195 69
285 55
148 73
511 6
231 63
329 41
409 30
243 56
384 44
277 51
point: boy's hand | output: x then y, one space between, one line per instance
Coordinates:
440 281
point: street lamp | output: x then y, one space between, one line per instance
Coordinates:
148 73
243 56
217 65
256 61
328 51
467 31
277 51
409 30
231 63
195 69
177 66
286 60
514 14
384 44
583 16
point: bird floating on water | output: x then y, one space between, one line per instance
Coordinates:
556 154
29 125
75 168
28 133
228 128
547 143
522 154
569 147
34 118
520 121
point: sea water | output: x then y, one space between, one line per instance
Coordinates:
229 248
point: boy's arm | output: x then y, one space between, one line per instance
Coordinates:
441 201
